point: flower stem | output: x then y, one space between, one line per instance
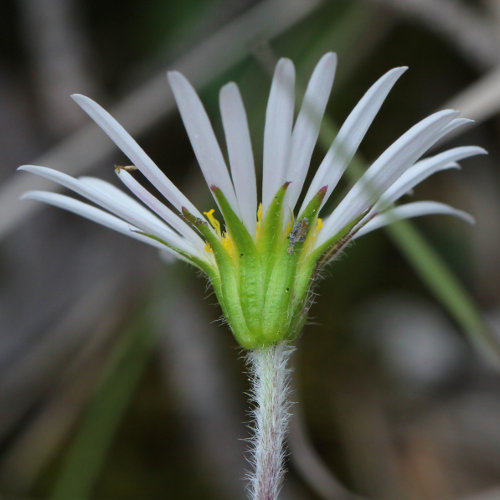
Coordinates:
270 388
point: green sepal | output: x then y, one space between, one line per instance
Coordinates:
271 231
227 293
301 232
278 312
247 262
283 313
312 208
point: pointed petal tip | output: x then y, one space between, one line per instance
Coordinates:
80 98
285 64
449 112
175 78
330 56
228 85
465 216
31 195
227 90
30 168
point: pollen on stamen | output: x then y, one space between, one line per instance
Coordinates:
213 221
259 218
319 225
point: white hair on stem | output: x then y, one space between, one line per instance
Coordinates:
270 378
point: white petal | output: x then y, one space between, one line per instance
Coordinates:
116 204
423 169
455 124
386 170
409 210
157 206
202 136
91 213
350 136
306 129
109 189
135 153
239 146
278 129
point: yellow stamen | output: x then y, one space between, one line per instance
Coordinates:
208 248
227 241
213 221
259 219
319 225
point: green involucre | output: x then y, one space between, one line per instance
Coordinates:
263 283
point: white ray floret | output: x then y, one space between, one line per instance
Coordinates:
306 129
92 213
350 136
239 146
122 206
159 208
422 170
410 210
386 170
278 130
288 147
202 136
135 153
108 189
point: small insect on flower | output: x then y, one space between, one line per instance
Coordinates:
298 234
261 257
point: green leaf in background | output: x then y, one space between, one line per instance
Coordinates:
87 452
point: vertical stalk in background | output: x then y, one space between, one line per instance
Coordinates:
270 376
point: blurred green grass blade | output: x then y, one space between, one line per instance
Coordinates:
445 286
87 452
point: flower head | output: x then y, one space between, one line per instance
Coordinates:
261 258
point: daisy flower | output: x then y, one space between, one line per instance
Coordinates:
262 257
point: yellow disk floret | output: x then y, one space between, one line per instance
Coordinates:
213 221
224 237
259 219
319 225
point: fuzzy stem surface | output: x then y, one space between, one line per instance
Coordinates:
270 388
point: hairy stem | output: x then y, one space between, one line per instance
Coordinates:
270 387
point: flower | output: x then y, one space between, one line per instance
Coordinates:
264 257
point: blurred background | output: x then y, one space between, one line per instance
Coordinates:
117 379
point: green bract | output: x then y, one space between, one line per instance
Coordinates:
262 284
